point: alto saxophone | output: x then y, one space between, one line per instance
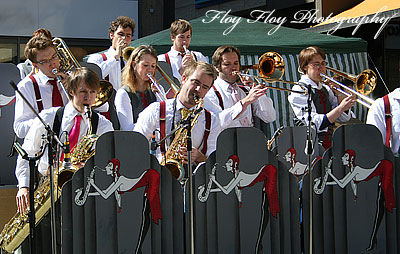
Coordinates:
172 159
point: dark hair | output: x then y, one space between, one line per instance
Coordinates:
35 44
42 31
307 54
180 26
122 21
128 73
217 56
79 75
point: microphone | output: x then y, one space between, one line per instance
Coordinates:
153 144
67 156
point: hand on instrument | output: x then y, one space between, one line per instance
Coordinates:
120 46
246 81
197 156
22 199
347 103
187 60
255 92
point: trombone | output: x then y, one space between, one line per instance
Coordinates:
271 68
365 83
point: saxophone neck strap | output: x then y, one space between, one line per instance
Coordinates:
58 120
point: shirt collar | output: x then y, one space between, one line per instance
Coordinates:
223 84
71 110
42 77
179 105
307 80
174 52
111 51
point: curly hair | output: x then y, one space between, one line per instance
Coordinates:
122 21
35 44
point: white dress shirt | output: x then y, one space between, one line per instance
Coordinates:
23 115
149 121
34 140
298 102
376 117
176 61
123 106
110 67
262 108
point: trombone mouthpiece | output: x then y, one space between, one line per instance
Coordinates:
54 71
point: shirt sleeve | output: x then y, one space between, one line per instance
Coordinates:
376 117
298 102
148 120
32 145
201 57
123 107
105 66
104 125
264 109
23 115
345 116
214 132
225 116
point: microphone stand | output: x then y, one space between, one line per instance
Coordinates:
309 152
51 137
32 177
185 124
190 172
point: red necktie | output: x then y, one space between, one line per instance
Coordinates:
74 133
56 96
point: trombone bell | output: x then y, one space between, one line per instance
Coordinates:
270 65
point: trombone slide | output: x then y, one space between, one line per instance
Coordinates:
367 102
160 94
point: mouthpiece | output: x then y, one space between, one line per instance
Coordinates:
54 71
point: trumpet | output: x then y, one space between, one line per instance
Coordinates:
365 83
271 68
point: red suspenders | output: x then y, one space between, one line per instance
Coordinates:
218 94
37 93
167 58
162 124
388 120
206 130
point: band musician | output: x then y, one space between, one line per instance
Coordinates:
41 89
234 105
328 105
196 81
82 86
111 62
179 57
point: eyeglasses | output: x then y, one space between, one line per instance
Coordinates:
48 61
318 65
121 34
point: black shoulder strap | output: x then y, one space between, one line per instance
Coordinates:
95 122
58 120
